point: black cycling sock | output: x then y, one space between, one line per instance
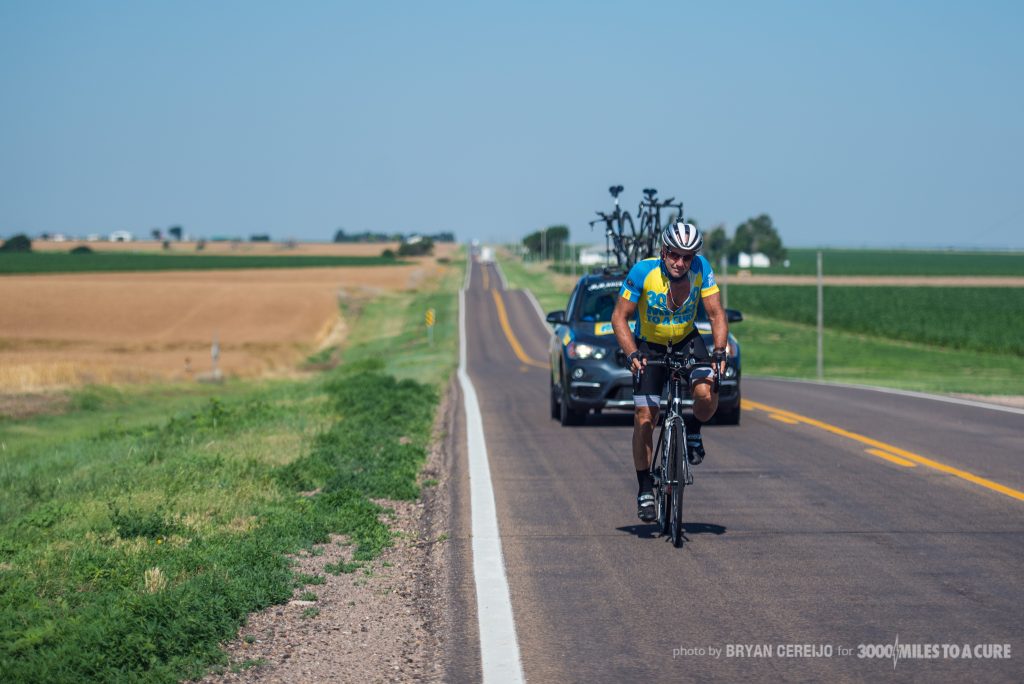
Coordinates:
692 424
643 478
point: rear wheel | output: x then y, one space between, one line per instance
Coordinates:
678 468
555 410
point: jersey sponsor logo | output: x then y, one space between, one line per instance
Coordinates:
606 328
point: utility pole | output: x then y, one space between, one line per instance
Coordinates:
724 262
544 244
821 321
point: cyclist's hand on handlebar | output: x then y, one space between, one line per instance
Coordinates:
637 362
718 357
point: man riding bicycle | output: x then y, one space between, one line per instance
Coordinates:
664 294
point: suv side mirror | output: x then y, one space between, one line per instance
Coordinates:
556 317
733 315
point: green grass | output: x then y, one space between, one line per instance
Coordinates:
60 262
771 346
977 320
139 529
551 291
779 348
392 328
901 262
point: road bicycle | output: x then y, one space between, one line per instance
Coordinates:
620 233
649 217
671 469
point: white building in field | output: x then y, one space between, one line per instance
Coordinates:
755 260
593 256
121 236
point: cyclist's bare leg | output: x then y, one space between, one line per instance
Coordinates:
644 420
705 402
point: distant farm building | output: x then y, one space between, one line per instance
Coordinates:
755 260
121 236
593 256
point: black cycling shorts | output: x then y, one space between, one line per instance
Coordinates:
648 387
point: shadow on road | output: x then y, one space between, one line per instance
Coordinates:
652 531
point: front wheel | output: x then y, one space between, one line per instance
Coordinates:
678 468
663 449
566 414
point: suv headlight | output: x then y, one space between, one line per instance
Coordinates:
584 351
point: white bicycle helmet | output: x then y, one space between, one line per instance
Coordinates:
684 236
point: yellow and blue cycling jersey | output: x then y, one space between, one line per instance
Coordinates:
647 284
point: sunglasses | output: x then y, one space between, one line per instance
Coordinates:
676 256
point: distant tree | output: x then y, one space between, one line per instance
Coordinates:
175 232
548 241
716 244
388 253
167 244
17 243
339 236
200 245
157 234
82 249
259 237
758 235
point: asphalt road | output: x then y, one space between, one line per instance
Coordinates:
796 533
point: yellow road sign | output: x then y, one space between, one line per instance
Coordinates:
430 317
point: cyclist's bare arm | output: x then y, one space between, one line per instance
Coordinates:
719 323
625 310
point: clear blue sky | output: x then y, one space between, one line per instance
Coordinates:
850 123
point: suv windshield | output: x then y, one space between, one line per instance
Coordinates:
598 301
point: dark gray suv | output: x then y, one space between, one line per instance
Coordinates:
588 371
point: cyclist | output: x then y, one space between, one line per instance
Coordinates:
663 294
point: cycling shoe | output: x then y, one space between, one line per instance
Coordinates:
694 448
645 507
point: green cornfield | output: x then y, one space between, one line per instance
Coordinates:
971 319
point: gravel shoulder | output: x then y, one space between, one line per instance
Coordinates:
385 622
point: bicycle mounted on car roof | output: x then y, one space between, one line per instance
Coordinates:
623 240
618 239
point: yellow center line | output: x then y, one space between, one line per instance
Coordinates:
516 347
889 449
783 419
889 457
487 280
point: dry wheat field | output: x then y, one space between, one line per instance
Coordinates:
67 330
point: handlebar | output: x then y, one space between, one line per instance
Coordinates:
685 363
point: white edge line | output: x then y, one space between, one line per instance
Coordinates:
904 393
499 648
540 311
501 275
469 267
